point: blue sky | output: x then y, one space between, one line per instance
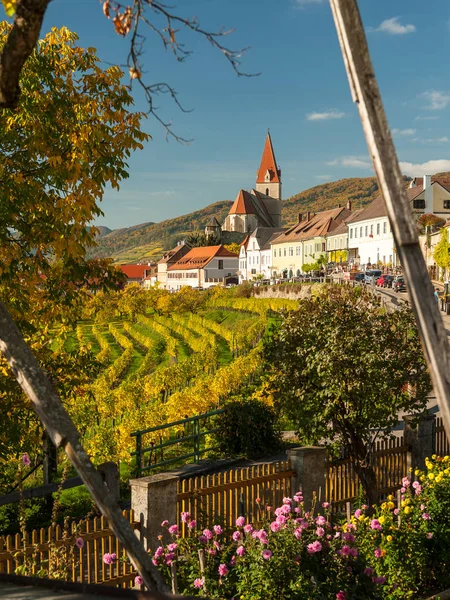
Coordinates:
302 95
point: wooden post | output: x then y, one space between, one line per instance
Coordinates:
63 433
365 93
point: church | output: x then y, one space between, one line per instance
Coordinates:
261 207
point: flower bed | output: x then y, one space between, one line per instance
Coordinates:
398 551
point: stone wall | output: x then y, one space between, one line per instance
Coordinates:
291 292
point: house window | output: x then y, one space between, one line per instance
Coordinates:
297 251
351 233
291 251
220 264
384 227
360 232
340 243
257 259
275 253
335 241
378 229
279 252
367 231
371 230
284 251
447 204
418 203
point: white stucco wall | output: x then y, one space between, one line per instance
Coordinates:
373 241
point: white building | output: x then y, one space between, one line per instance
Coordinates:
255 258
370 238
202 267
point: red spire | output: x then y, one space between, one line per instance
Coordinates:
268 163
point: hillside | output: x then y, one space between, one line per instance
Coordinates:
148 240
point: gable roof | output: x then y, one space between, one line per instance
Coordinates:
197 258
377 207
318 225
268 163
263 234
251 203
135 271
173 255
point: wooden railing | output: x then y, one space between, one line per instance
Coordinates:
219 498
85 564
390 459
442 442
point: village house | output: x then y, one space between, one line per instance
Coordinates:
203 267
137 273
305 242
370 237
255 258
169 258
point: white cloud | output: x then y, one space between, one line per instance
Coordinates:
331 113
356 162
436 100
162 193
323 177
403 132
427 118
394 27
429 167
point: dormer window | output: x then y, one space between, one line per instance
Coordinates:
267 176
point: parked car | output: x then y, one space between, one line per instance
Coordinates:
372 275
359 278
399 285
385 281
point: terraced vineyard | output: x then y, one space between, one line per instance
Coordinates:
160 369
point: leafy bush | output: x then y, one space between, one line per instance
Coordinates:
248 429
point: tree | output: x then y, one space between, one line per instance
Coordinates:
69 137
197 239
441 252
133 20
340 367
235 248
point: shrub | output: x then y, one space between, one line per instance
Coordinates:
247 428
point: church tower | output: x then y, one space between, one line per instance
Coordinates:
268 182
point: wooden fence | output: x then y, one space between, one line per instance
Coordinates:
219 498
442 442
390 459
56 545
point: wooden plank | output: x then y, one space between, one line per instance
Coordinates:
365 92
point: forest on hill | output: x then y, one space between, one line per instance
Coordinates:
149 240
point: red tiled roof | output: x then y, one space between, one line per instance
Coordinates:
243 205
268 163
197 258
134 271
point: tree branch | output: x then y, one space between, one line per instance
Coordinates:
19 45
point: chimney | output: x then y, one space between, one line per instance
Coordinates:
349 205
428 193
308 216
300 217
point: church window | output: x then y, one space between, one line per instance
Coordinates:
267 191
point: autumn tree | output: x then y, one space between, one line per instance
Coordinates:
342 368
69 138
441 252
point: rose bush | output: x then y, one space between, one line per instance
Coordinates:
402 550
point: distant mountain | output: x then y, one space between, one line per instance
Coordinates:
102 230
148 240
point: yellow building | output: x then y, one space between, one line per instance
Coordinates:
305 242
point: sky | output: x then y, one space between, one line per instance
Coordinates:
302 95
